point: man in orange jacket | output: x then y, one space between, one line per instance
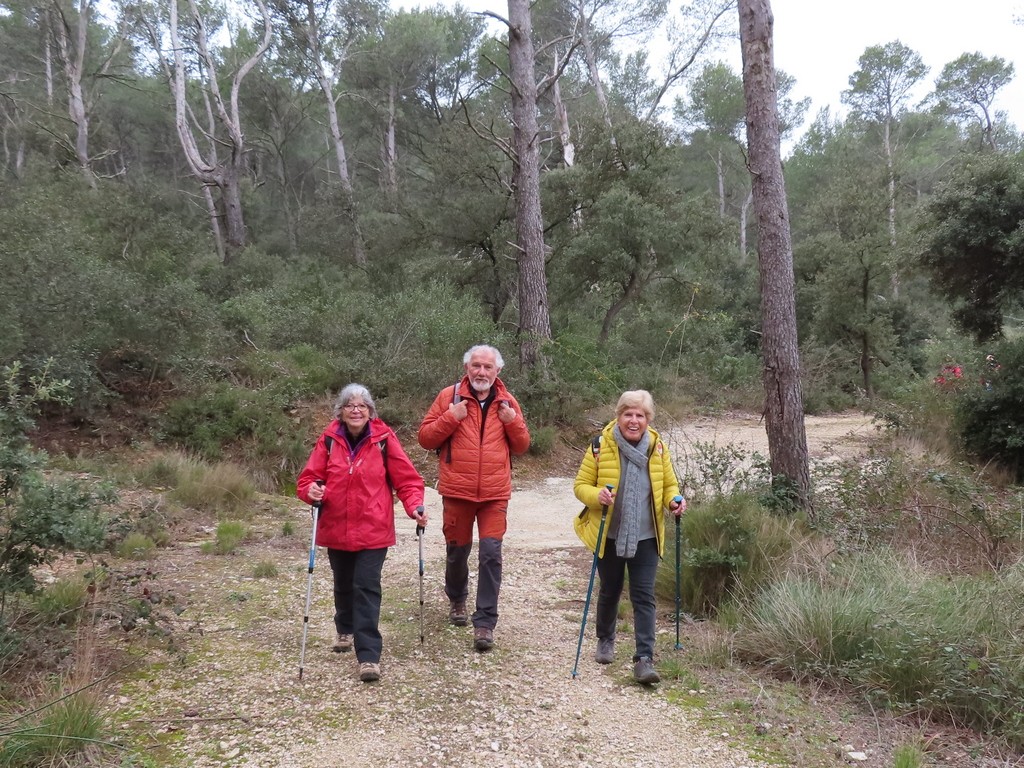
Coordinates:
475 426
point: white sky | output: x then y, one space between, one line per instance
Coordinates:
819 41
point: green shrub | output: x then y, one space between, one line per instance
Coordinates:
61 602
230 534
727 544
990 421
136 546
948 647
542 440
67 731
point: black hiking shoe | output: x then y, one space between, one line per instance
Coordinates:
605 653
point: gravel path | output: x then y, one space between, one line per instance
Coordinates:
230 695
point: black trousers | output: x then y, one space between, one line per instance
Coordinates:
357 598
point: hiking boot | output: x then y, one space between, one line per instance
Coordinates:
605 653
369 671
342 643
644 672
483 638
457 615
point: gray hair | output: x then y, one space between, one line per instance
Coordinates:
498 359
354 390
636 398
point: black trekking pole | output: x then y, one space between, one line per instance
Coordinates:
590 586
309 582
419 535
678 499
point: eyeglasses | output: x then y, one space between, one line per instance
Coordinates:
356 407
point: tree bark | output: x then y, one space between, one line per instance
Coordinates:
534 319
784 417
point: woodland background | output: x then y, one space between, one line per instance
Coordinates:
213 217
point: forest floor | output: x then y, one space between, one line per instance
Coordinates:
213 675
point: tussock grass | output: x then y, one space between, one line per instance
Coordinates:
61 602
67 727
136 546
223 488
908 638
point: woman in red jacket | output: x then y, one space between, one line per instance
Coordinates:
353 468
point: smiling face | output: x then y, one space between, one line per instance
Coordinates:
633 423
355 414
482 370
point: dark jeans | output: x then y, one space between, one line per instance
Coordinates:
643 567
357 598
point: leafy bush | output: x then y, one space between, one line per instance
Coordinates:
729 544
990 420
39 519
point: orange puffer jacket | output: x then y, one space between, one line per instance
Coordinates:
475 453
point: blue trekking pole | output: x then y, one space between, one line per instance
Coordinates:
309 582
679 500
590 587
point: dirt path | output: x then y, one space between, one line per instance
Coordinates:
231 694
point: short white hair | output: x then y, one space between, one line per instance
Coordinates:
498 359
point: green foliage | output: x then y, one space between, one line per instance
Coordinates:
542 440
909 638
67 731
728 544
974 241
908 756
39 519
136 546
61 602
230 534
990 421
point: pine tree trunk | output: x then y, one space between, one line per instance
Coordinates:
784 417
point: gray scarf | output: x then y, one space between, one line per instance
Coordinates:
632 499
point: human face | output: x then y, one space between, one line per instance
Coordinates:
633 424
355 414
482 370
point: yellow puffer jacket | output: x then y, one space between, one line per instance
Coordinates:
596 472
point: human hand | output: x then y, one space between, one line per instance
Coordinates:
420 516
316 491
606 496
677 505
458 410
506 412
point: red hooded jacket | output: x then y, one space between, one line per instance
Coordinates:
480 465
358 510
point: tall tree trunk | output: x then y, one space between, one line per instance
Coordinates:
534 320
784 415
890 167
389 150
744 217
71 46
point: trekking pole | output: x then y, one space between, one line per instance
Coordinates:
678 500
309 582
590 587
419 535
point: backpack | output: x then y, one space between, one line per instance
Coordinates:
383 445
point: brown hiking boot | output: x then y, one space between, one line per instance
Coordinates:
483 638
458 615
369 671
342 643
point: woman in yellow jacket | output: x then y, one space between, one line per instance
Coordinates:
632 459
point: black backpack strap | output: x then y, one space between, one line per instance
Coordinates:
456 399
